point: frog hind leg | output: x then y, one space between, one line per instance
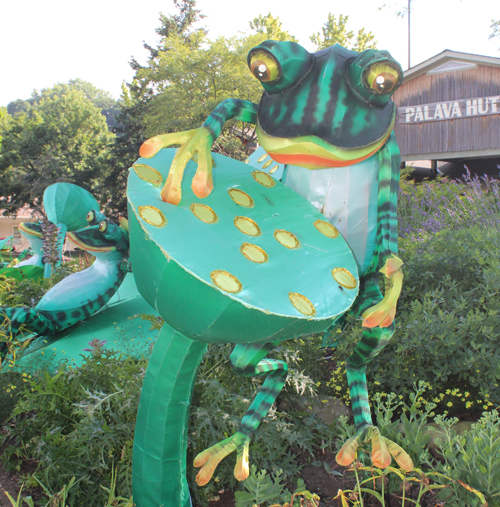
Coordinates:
247 360
371 344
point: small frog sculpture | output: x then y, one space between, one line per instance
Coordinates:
327 118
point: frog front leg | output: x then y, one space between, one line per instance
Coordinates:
197 142
371 344
247 360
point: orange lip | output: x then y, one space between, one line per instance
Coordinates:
315 162
28 231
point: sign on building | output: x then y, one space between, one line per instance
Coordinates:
449 110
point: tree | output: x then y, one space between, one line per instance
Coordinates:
60 136
334 32
495 29
185 78
271 27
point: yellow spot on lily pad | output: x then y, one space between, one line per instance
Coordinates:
254 253
267 164
152 216
241 198
286 238
302 304
225 281
344 278
204 213
326 228
247 226
264 179
247 160
273 169
149 174
262 158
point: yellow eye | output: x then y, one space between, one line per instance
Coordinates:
90 216
382 78
264 66
103 226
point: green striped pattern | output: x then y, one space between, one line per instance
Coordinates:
375 339
230 109
248 360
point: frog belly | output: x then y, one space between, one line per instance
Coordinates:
347 196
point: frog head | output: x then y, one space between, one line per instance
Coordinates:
326 109
102 239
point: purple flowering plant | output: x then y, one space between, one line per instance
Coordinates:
433 207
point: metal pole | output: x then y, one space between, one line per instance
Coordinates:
409 11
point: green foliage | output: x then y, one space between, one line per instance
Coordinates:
221 398
59 499
335 32
447 325
471 458
79 423
60 136
262 489
271 27
467 472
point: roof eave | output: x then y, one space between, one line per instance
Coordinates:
448 55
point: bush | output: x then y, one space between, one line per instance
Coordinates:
81 422
447 323
471 458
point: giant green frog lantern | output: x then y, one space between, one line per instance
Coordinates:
241 258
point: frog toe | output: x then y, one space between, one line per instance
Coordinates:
400 455
210 458
381 457
242 468
347 454
150 147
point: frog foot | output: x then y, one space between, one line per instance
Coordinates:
382 448
383 313
209 459
195 143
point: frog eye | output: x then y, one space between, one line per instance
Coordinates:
264 66
381 78
90 216
103 226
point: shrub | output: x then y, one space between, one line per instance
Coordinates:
80 423
447 323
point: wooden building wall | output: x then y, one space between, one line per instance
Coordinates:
462 134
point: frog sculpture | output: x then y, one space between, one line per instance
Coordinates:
328 118
81 294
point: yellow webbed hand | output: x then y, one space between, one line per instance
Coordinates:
383 313
196 143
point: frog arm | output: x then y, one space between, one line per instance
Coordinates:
197 142
247 360
386 260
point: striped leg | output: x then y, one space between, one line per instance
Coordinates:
247 360
372 342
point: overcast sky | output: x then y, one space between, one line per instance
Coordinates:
50 41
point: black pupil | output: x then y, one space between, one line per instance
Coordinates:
260 70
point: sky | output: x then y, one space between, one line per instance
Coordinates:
52 41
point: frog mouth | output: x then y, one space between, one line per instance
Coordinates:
89 240
29 229
312 152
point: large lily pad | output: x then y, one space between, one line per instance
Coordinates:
254 261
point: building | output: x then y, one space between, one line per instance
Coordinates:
9 226
448 109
